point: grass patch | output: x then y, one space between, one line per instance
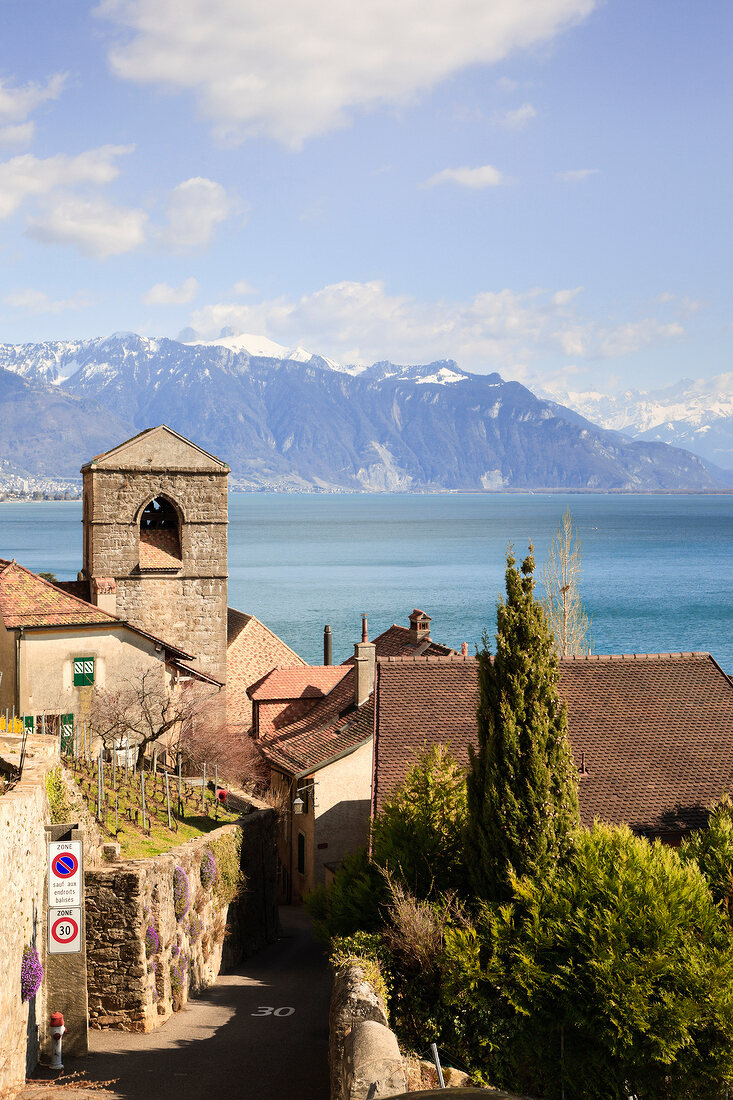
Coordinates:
121 812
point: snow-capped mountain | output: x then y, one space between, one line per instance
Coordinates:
301 421
694 414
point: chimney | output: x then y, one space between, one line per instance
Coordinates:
464 649
364 661
419 627
103 592
327 645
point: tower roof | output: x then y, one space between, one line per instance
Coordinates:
157 448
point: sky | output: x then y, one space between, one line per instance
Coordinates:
536 187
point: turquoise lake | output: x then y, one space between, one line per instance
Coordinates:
656 573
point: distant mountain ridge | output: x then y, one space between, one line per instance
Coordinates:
308 423
694 414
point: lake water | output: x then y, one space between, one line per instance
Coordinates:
656 573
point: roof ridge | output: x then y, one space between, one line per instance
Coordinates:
636 656
428 658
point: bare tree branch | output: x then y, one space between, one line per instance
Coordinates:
562 602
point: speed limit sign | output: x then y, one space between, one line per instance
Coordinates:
64 931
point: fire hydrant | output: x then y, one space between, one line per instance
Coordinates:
58 1031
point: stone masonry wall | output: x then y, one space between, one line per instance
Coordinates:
135 990
23 814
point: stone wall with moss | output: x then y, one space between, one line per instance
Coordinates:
161 929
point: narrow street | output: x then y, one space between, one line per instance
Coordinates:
260 1033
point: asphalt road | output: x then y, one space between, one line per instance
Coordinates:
260 1033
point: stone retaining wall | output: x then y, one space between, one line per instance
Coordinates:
363 1055
135 990
23 814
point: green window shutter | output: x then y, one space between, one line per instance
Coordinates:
301 854
83 671
67 733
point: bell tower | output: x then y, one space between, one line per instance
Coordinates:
155 541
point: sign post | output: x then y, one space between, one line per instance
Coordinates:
66 972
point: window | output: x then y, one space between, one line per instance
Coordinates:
160 536
301 854
83 671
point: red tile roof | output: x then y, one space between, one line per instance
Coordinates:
160 548
28 600
655 730
303 682
253 650
334 726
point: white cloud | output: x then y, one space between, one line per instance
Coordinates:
243 289
515 118
21 133
194 209
475 178
27 175
95 227
502 330
36 301
17 103
164 295
291 69
577 175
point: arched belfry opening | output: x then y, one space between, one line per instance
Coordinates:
160 535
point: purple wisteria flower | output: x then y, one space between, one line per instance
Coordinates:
31 973
181 893
152 941
208 869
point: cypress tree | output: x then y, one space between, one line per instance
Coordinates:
522 783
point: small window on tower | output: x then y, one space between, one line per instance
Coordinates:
160 536
83 671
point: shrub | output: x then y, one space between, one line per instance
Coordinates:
711 849
195 927
207 870
418 836
31 973
229 879
366 950
152 941
611 978
355 900
57 795
181 893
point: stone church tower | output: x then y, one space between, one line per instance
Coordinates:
155 541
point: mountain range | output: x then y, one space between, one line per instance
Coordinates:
694 414
292 420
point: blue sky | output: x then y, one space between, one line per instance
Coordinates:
538 187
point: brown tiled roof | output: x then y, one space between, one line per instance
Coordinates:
395 642
253 650
159 548
302 682
655 730
28 600
332 727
